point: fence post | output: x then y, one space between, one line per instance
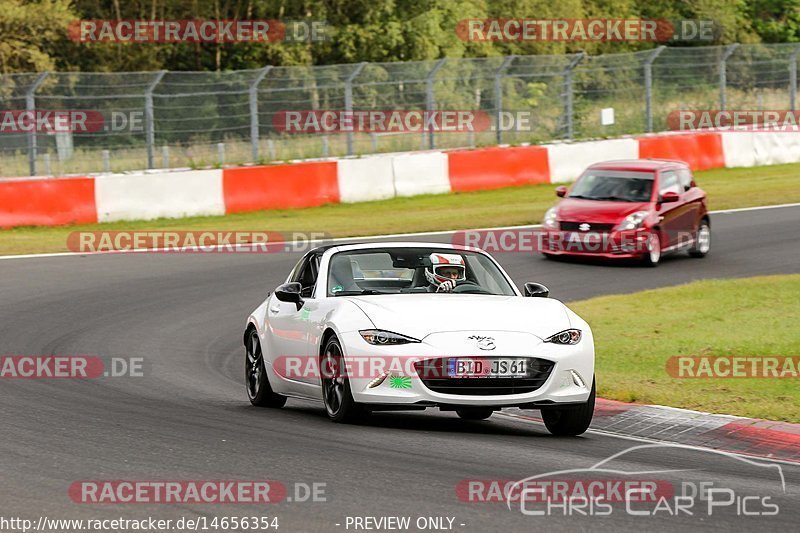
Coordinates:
30 107
430 102
723 74
793 79
648 86
149 118
577 58
253 97
498 93
348 101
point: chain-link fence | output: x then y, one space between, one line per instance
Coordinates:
205 119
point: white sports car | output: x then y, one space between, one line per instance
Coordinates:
405 326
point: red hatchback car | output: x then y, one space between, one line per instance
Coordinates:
634 209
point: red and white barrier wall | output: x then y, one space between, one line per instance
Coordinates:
150 195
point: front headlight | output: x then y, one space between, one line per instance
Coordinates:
551 218
566 337
634 220
384 338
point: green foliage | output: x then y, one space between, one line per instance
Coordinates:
33 34
637 334
776 21
535 91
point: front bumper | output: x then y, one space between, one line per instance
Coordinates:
628 244
404 386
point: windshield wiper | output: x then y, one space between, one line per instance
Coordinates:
358 293
614 198
582 197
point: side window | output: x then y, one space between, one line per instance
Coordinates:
685 179
669 183
305 273
308 277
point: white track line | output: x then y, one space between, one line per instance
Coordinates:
370 237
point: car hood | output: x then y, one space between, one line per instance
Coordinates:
419 315
598 211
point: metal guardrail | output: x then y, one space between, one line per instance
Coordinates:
201 119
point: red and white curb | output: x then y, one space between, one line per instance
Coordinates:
161 193
746 436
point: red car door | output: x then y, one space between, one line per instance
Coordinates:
693 197
674 216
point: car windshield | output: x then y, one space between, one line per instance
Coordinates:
614 186
402 271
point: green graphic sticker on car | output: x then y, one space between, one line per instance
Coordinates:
337 288
400 382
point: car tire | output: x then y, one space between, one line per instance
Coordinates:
259 390
702 240
336 393
652 254
570 421
474 413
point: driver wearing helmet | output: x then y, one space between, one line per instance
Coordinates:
445 272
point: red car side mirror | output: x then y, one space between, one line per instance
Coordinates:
561 191
670 197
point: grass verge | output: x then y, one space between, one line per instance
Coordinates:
727 189
636 334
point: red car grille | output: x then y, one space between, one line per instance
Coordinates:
596 227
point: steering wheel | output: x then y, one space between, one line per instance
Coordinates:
469 287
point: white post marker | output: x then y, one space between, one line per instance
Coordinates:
607 116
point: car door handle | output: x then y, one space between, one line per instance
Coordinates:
275 309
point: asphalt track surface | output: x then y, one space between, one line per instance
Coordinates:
188 417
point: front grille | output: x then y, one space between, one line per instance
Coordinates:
433 374
595 227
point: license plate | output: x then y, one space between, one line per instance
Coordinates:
478 367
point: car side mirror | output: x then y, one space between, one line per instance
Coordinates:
536 290
669 197
561 191
290 292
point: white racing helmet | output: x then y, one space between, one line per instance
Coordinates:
441 264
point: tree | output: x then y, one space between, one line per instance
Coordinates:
32 33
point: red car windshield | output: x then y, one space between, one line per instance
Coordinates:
614 186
